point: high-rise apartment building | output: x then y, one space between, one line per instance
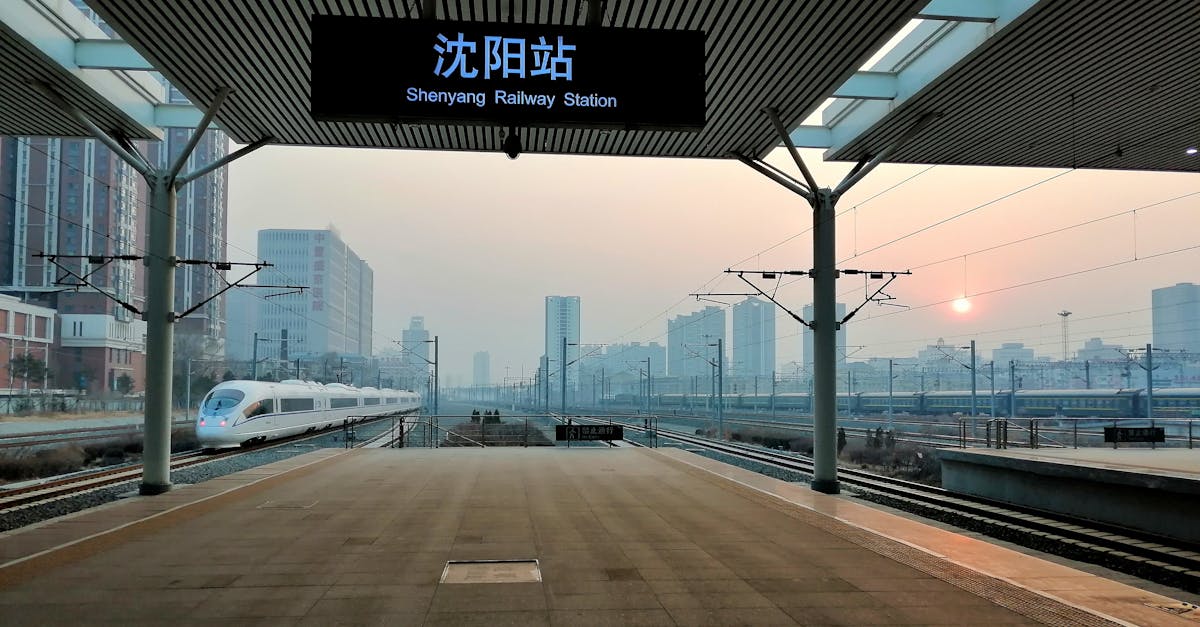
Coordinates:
75 197
753 338
688 340
1176 317
806 335
562 321
334 315
483 369
72 196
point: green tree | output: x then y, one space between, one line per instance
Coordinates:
28 369
228 376
125 384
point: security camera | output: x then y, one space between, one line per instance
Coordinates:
512 144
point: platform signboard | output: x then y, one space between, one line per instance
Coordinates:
391 70
1135 434
577 433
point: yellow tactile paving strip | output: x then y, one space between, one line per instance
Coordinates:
622 536
1095 594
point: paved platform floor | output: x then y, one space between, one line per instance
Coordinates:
1179 462
622 536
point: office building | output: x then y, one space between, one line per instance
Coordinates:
690 340
1176 318
806 337
562 321
753 338
335 313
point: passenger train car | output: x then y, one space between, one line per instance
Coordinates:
1107 403
244 412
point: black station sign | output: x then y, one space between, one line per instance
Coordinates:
1135 434
577 433
387 70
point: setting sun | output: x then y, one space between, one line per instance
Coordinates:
961 305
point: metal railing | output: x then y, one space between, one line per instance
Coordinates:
1063 432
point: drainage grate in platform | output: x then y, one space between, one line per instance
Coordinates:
492 571
287 505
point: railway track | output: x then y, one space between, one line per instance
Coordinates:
76 483
86 434
1150 557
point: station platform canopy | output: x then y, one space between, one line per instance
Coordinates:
1012 82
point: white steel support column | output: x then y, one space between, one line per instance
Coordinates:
824 274
825 324
160 260
160 332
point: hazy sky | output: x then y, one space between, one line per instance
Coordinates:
474 242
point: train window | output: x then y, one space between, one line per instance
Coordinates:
221 401
336 403
295 404
257 409
370 401
393 400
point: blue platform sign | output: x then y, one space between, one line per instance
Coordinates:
400 70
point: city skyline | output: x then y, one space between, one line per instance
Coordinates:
514 253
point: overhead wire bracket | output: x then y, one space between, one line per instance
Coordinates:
99 261
772 274
874 297
228 265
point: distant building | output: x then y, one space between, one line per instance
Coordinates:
417 355
753 338
618 358
1176 318
688 339
562 321
27 329
807 338
483 369
1012 351
1096 350
335 315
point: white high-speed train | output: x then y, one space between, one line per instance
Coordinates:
245 412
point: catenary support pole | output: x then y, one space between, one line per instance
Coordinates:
436 383
187 393
891 418
1012 389
974 410
254 360
721 388
562 406
1149 381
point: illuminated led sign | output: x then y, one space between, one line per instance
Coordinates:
398 70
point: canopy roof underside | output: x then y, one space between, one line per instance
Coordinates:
1112 84
768 53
